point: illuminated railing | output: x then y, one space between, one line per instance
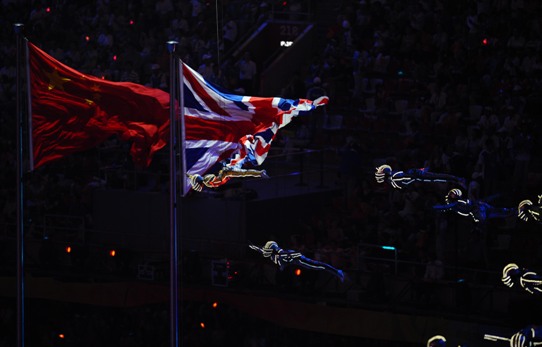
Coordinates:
383 247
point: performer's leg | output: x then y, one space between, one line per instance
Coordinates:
244 173
318 265
495 212
442 177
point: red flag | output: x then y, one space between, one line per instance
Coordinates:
72 112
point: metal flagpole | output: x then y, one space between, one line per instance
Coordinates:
20 215
182 159
174 255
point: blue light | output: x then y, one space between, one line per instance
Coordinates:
390 248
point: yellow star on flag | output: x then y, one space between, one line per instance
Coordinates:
56 81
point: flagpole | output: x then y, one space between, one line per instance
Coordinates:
181 128
174 256
20 215
29 129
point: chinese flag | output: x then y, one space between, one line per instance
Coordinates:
72 112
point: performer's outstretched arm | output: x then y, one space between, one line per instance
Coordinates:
256 248
272 251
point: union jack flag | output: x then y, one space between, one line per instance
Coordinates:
224 130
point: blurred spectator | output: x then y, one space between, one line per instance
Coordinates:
157 79
247 73
349 172
490 162
229 34
129 73
434 269
316 90
206 68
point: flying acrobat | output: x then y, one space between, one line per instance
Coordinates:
401 179
479 211
282 257
213 181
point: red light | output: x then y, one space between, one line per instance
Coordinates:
285 3
68 249
215 304
112 252
87 38
485 41
48 9
298 272
131 22
115 57
202 325
60 336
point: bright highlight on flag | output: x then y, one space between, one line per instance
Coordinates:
72 112
228 135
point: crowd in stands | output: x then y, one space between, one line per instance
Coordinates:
449 85
453 87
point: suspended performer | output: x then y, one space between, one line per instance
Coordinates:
224 175
283 257
479 211
401 179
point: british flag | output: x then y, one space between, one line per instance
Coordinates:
228 130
